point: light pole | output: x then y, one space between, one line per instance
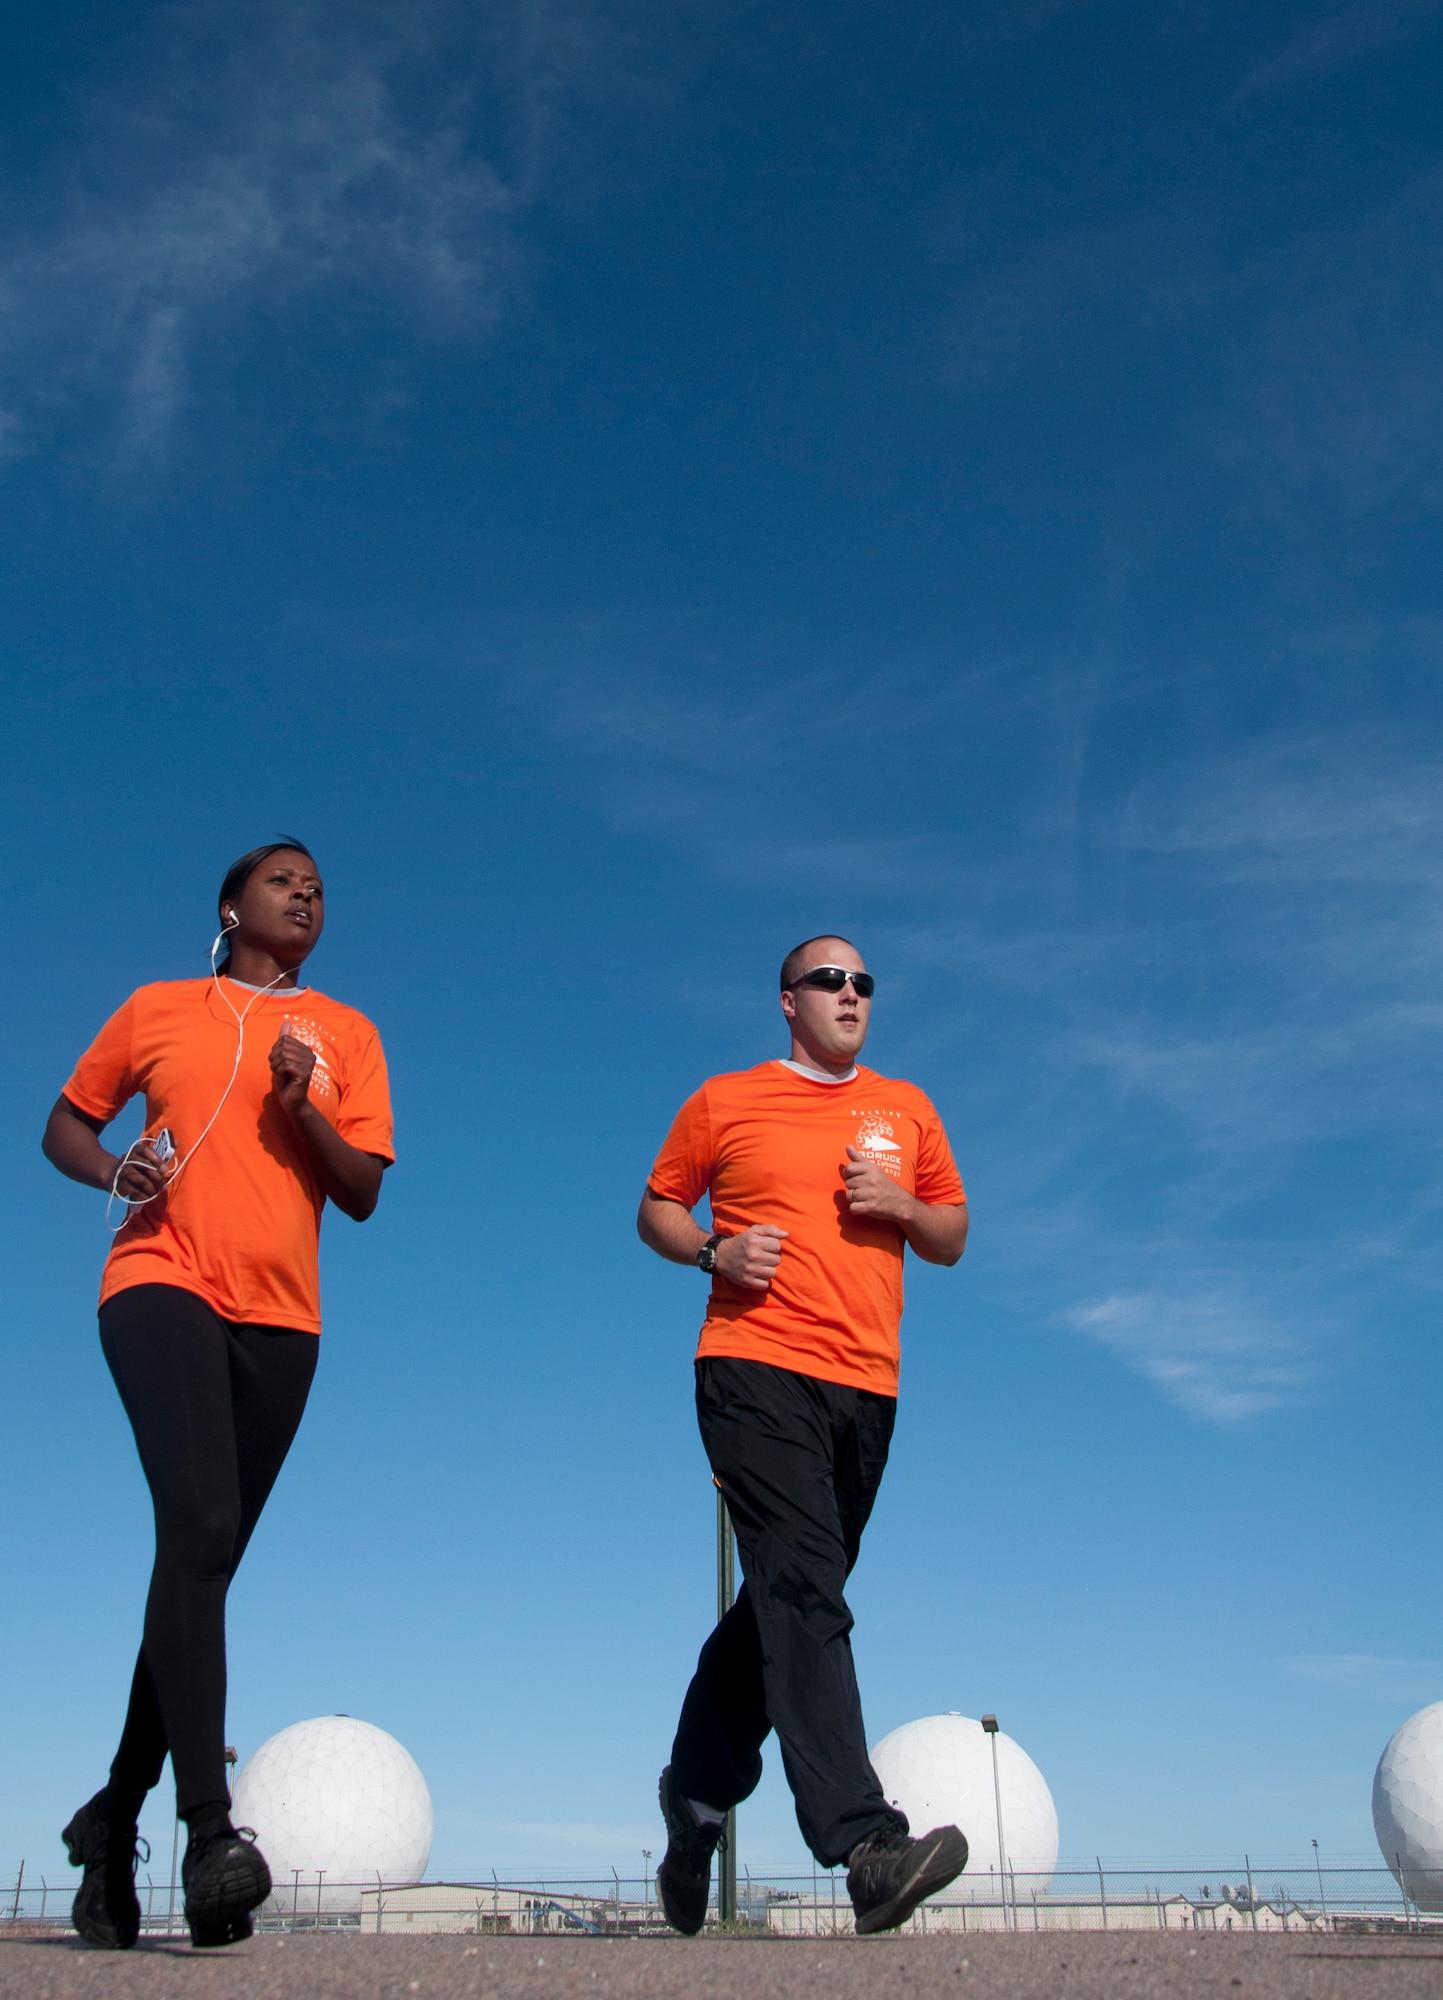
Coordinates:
726 1895
989 1723
1318 1864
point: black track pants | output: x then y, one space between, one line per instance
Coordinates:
799 1462
214 1407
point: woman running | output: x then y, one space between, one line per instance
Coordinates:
263 1099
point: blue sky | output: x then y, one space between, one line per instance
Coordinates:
637 486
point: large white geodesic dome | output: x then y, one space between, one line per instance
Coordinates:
939 1771
337 1798
1408 1806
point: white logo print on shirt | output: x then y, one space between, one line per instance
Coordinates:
874 1136
305 1031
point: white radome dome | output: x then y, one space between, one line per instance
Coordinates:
939 1772
1408 1806
336 1798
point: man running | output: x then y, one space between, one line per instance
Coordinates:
820 1173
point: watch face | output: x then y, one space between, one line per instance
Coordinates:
706 1257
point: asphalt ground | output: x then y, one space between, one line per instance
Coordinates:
1058 1967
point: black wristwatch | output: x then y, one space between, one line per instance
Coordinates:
706 1256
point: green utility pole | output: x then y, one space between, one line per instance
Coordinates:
725 1598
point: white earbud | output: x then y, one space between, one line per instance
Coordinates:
229 922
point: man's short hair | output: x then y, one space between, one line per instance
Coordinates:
792 963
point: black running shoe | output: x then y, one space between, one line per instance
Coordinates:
888 1874
225 1876
106 1910
683 1881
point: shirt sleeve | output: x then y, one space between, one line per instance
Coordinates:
363 1116
683 1167
938 1182
102 1082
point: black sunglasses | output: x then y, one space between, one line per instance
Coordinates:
832 978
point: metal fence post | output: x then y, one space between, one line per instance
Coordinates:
1102 1891
725 1598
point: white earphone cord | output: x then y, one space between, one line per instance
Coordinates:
133 1208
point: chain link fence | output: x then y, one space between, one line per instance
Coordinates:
1245 1895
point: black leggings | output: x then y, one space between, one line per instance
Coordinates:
214 1407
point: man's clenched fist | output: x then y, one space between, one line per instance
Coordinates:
751 1259
871 1192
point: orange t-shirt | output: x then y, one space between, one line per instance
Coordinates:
241 1226
770 1146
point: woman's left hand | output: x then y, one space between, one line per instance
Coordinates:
291 1066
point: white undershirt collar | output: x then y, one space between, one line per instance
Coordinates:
816 1075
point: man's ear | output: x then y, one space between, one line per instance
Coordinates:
789 1005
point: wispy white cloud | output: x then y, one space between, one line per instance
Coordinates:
1150 271
1369 1676
1214 1356
259 157
1317 864
1308 806
1310 349
1333 410
1192 973
1343 36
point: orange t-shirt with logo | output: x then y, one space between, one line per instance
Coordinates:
769 1146
241 1225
